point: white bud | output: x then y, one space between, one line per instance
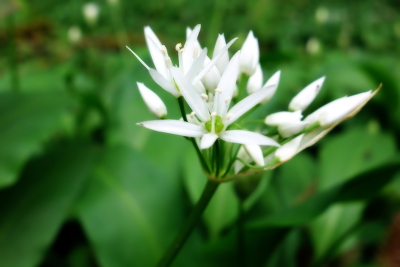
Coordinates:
250 55
278 118
288 150
255 152
91 13
211 79
153 102
303 99
341 109
273 81
224 59
289 129
74 34
243 155
255 81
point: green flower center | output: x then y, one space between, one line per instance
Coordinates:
218 124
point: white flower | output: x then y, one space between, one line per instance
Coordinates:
337 110
281 117
289 129
211 124
224 58
250 55
153 101
303 99
74 34
91 13
255 153
288 150
191 60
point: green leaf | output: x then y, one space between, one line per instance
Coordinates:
369 148
364 185
32 211
223 207
26 120
131 210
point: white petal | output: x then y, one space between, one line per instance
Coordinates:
282 117
152 101
158 57
248 103
242 154
140 60
273 81
314 117
227 85
288 150
192 97
255 153
189 48
197 65
289 129
255 81
341 109
208 140
161 81
174 127
303 99
200 88
247 138
224 58
212 62
149 32
250 55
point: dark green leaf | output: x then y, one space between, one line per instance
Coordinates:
25 122
33 210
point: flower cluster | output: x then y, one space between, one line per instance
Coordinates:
219 91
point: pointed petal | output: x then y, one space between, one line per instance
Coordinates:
273 81
158 57
224 58
161 81
248 103
250 55
197 65
247 138
152 101
255 153
303 99
227 84
140 60
255 81
212 62
208 140
192 97
189 48
149 32
174 127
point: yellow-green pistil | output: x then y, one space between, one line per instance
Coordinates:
218 124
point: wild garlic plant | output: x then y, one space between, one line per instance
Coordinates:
220 92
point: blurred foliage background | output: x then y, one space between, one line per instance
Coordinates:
82 185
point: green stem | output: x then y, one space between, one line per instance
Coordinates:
217 158
189 225
244 78
199 154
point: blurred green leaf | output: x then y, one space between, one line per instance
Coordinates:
131 209
26 121
223 207
32 211
347 154
363 186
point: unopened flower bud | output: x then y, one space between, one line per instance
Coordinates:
250 55
273 81
289 129
303 99
211 79
278 118
288 150
153 102
255 81
224 59
255 153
